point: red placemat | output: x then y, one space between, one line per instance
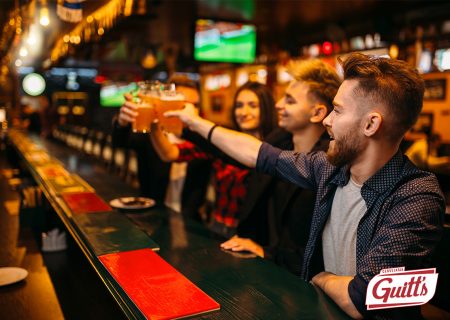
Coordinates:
85 202
157 288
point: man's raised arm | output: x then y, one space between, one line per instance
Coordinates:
242 147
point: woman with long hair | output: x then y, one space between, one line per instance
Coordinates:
253 112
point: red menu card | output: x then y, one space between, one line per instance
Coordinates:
156 288
85 202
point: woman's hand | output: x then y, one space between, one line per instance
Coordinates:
243 244
127 112
188 115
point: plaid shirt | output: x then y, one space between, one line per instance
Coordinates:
402 225
229 184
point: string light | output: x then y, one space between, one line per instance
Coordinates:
94 25
44 19
23 52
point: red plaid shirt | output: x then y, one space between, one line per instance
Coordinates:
229 184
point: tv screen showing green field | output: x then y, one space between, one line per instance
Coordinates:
217 41
112 94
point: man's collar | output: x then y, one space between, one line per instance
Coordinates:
383 179
388 175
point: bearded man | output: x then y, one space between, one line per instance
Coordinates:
374 209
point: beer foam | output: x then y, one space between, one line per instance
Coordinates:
175 97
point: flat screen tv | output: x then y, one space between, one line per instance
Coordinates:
220 41
111 93
442 59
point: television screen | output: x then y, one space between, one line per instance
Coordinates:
111 94
218 41
442 59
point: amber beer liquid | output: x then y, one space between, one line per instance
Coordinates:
145 116
167 103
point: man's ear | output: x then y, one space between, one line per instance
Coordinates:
319 112
373 123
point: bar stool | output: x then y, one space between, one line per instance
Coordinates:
99 141
107 152
80 137
88 146
120 161
132 169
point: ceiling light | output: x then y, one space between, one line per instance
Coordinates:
23 52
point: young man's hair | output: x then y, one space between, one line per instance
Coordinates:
390 83
322 80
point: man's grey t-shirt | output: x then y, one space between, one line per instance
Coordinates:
339 234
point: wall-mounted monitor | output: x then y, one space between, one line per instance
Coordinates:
111 94
442 59
220 41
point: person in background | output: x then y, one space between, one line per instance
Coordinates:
154 175
253 112
276 215
31 119
48 116
374 209
423 153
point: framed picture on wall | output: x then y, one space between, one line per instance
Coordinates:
435 89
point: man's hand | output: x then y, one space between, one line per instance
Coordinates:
242 244
127 112
337 288
188 115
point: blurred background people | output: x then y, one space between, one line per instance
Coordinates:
423 152
31 120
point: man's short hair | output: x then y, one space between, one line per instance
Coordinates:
391 83
322 79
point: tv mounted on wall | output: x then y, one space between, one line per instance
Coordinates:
111 93
220 41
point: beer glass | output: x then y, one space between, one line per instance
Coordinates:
146 114
169 99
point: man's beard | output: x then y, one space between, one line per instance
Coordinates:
345 149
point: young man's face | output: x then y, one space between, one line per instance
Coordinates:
344 125
295 109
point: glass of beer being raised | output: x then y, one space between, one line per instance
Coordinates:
170 99
146 113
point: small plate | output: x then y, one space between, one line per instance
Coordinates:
132 203
10 275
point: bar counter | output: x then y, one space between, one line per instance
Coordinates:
245 288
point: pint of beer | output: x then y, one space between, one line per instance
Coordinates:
145 117
167 102
146 113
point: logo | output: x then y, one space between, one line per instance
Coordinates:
395 287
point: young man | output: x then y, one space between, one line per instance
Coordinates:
276 215
374 209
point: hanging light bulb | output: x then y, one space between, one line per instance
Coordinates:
44 19
31 39
23 52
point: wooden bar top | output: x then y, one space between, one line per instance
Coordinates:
245 288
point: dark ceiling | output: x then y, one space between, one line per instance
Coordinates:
282 23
